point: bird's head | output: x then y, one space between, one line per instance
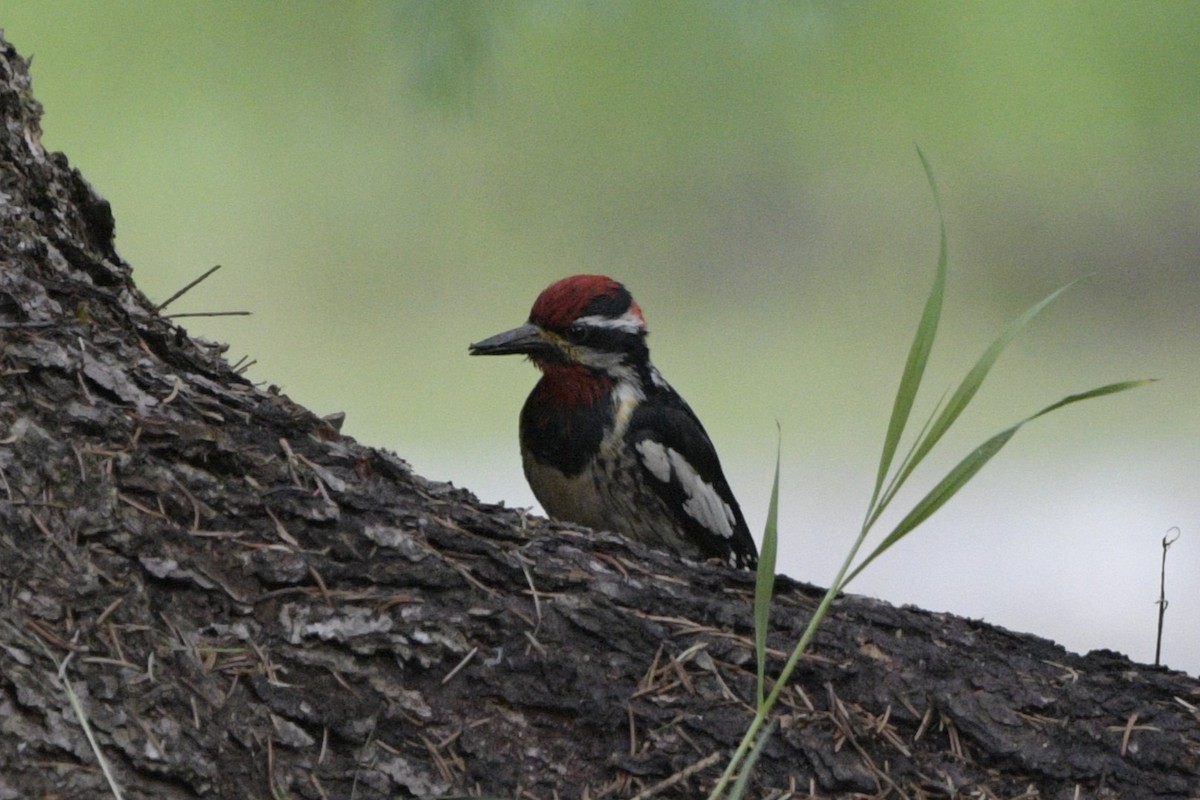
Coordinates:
583 321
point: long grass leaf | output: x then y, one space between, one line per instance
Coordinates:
764 582
962 397
739 788
918 352
966 469
937 497
1112 388
893 485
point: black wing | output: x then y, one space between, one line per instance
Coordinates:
681 465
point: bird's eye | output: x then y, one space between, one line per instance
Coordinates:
579 333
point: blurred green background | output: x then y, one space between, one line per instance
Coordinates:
386 182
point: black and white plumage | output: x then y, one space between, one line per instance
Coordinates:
605 441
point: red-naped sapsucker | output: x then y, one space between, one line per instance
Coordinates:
605 441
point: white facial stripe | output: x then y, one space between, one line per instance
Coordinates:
703 504
628 322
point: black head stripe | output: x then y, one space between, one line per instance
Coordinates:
611 304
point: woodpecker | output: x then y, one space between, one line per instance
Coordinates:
605 441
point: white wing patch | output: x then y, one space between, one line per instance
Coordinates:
655 459
703 504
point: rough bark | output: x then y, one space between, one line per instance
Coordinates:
246 604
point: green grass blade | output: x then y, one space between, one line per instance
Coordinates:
937 497
764 582
739 788
969 466
893 485
962 397
1101 391
918 353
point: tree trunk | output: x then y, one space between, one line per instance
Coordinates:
208 592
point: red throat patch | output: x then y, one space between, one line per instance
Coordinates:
571 386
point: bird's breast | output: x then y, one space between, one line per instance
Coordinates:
564 420
572 498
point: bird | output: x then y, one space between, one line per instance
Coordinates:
605 441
